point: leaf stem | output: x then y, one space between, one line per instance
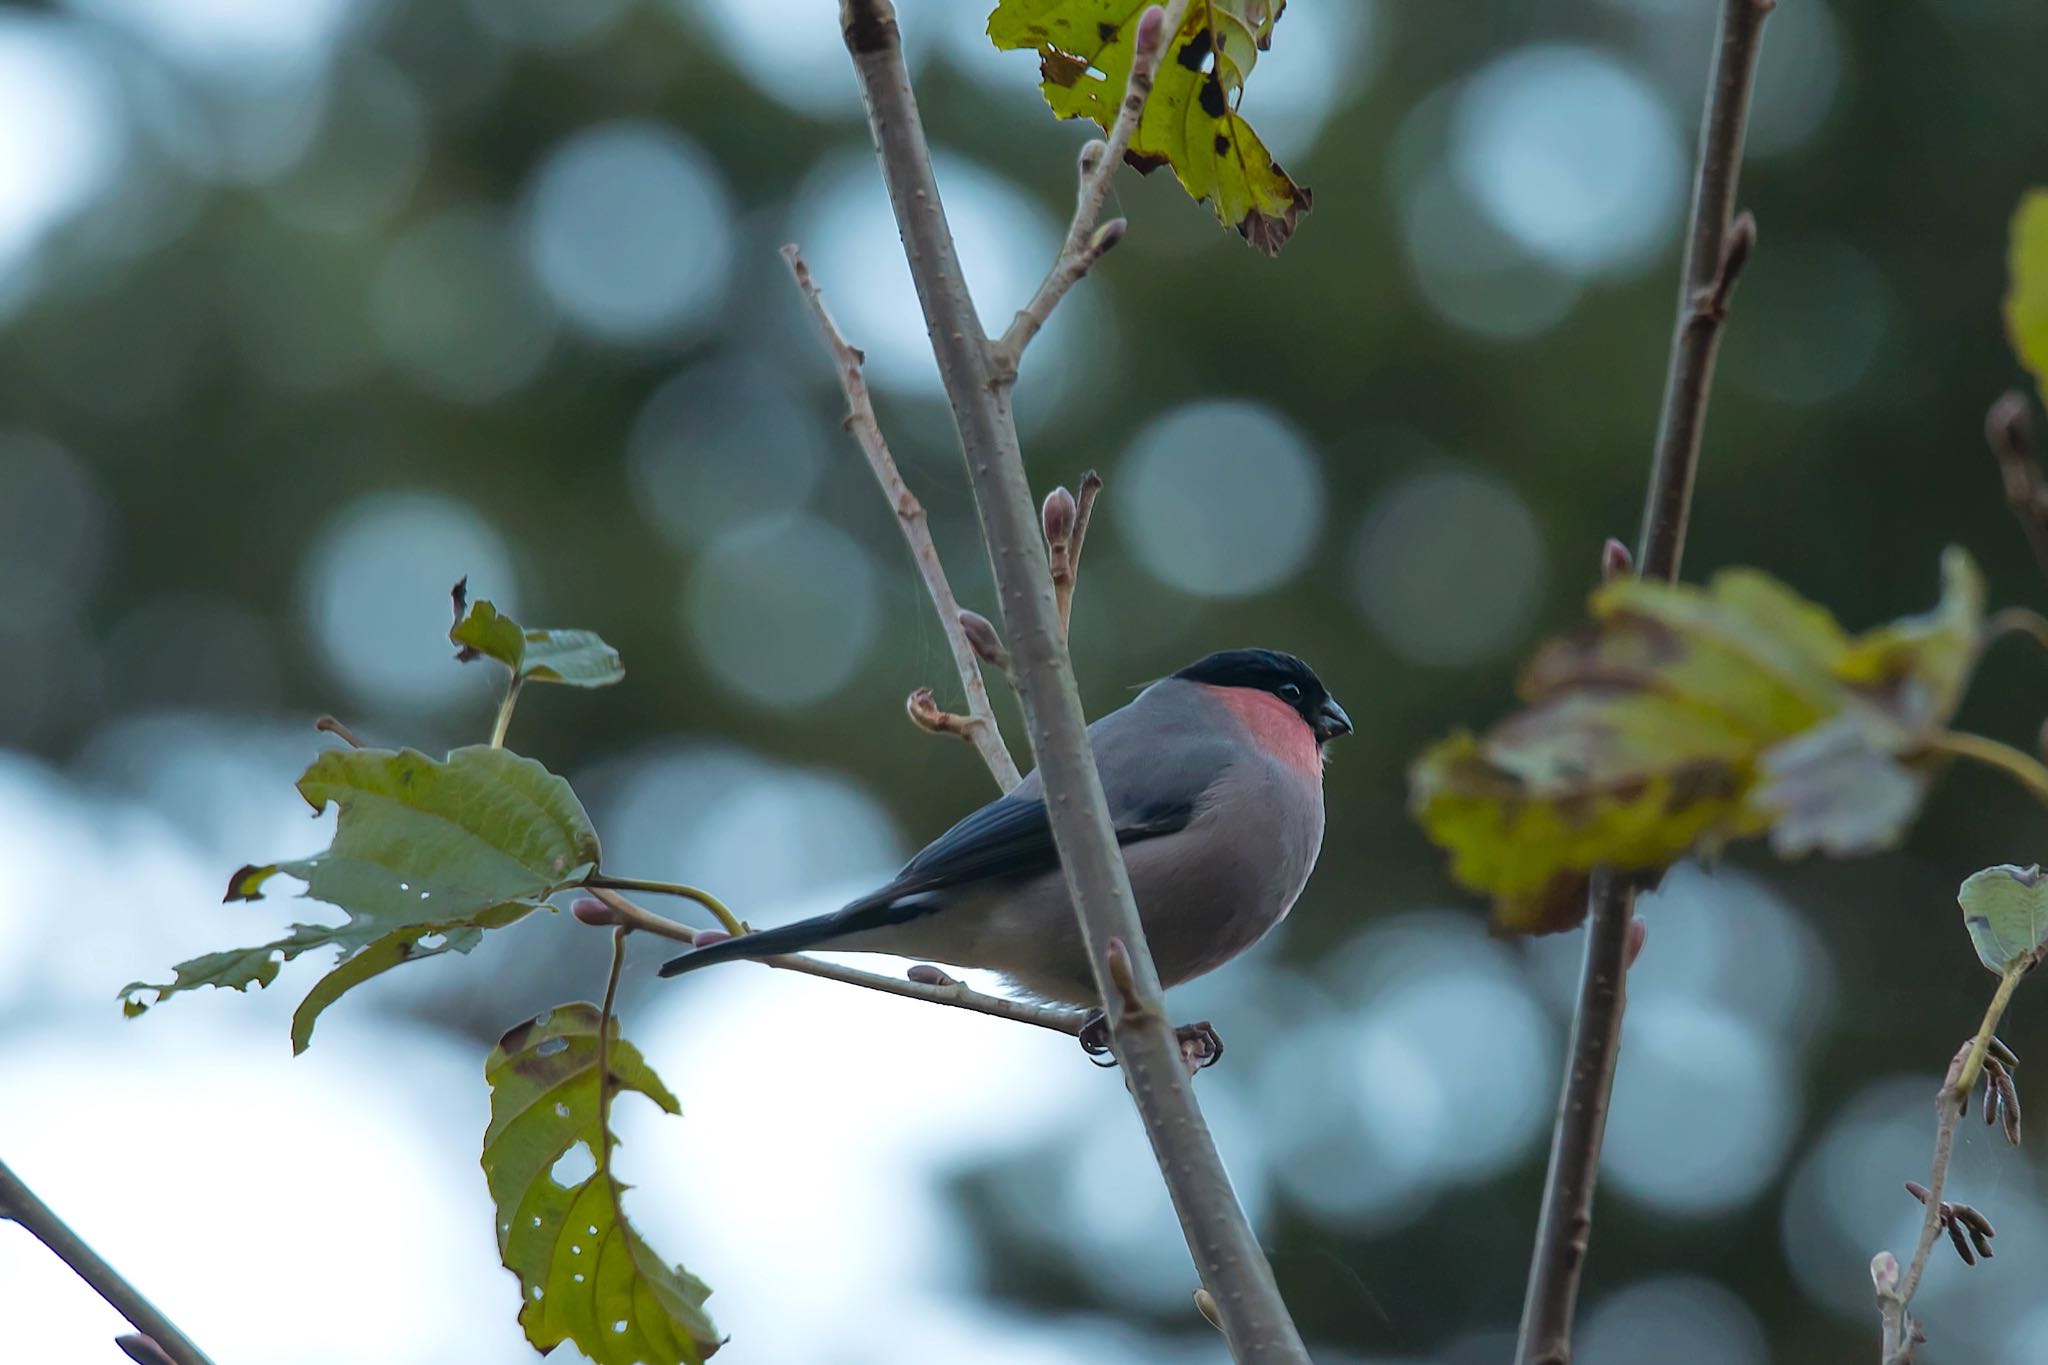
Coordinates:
504 721
1973 1064
727 920
2023 768
19 1203
1718 245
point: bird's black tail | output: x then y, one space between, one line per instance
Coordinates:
887 906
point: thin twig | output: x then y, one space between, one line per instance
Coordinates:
1949 1104
979 726
1065 520
1718 245
2023 768
1226 1252
948 992
2007 430
1085 244
19 1203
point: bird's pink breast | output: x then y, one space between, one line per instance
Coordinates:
1275 727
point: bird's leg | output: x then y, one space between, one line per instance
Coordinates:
1094 1039
1200 1045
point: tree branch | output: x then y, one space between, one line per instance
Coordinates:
978 727
1085 244
1717 247
1227 1254
20 1204
927 983
1893 1296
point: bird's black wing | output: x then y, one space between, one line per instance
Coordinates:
1012 837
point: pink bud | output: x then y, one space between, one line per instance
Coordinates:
1057 516
1615 560
1638 935
590 910
1151 31
981 635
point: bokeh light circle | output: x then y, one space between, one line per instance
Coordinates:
721 444
376 584
782 611
1222 498
1704 1109
626 229
1448 567
1572 154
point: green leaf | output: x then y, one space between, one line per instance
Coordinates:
1681 718
484 634
421 847
418 839
577 658
235 969
1191 120
394 949
2026 301
585 1275
2006 911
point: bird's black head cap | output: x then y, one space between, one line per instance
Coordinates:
1283 675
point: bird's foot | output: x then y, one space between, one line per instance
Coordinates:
1200 1045
1095 1039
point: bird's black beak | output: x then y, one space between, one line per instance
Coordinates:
1331 721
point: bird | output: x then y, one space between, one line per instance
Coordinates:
1214 778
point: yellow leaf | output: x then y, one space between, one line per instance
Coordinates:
1680 718
1191 121
2026 302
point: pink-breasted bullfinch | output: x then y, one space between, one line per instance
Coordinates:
1215 785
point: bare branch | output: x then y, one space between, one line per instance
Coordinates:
1086 244
920 986
1718 245
1226 1252
19 1203
980 728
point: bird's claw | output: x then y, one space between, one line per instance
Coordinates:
1200 1045
1095 1039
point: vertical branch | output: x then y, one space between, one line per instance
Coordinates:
1227 1254
1717 247
19 1203
979 727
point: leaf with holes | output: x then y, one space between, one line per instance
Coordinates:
2006 911
577 658
2026 300
1681 718
585 1275
420 847
1191 121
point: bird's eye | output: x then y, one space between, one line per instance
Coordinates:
1290 692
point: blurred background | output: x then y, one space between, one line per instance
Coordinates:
308 308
